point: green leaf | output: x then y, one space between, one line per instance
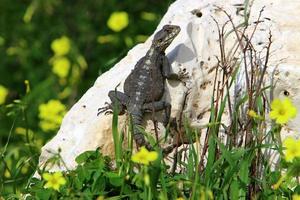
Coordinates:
114 179
85 156
98 186
234 190
244 171
82 174
44 194
210 159
116 137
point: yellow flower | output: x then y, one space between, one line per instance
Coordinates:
118 21
54 180
292 149
180 198
61 67
296 197
144 156
252 114
282 110
3 94
51 115
61 46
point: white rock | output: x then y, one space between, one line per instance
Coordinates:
194 49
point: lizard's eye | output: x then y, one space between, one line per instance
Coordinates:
160 40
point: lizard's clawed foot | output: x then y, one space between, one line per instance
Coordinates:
149 147
140 141
106 109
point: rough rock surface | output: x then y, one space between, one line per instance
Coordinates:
195 49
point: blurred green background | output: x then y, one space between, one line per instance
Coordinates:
51 52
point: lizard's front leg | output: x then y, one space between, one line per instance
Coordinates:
118 100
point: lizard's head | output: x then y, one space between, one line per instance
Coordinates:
163 38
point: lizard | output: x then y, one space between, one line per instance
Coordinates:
144 86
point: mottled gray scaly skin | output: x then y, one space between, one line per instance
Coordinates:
144 87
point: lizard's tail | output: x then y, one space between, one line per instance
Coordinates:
138 136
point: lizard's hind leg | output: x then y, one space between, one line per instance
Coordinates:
158 106
118 100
